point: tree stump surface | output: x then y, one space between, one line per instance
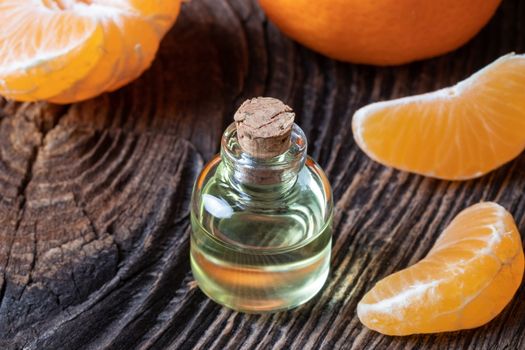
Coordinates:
94 234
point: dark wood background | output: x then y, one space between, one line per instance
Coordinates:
94 196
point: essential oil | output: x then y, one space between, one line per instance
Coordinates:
261 215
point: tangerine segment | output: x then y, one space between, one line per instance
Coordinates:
101 75
69 50
456 133
469 276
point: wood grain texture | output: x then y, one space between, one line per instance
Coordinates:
94 196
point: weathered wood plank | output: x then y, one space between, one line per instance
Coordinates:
94 196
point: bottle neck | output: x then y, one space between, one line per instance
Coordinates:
276 174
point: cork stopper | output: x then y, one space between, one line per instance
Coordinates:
264 126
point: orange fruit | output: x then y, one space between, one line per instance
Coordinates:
382 32
467 278
69 50
456 133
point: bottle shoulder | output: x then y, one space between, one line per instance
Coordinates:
269 217
217 194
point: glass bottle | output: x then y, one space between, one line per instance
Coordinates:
261 216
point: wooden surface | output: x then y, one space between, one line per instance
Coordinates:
94 196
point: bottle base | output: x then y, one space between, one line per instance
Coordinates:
260 292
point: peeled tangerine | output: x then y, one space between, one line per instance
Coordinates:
69 50
466 279
456 133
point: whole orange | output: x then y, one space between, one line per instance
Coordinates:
381 32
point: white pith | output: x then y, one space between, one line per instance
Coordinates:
99 11
406 297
